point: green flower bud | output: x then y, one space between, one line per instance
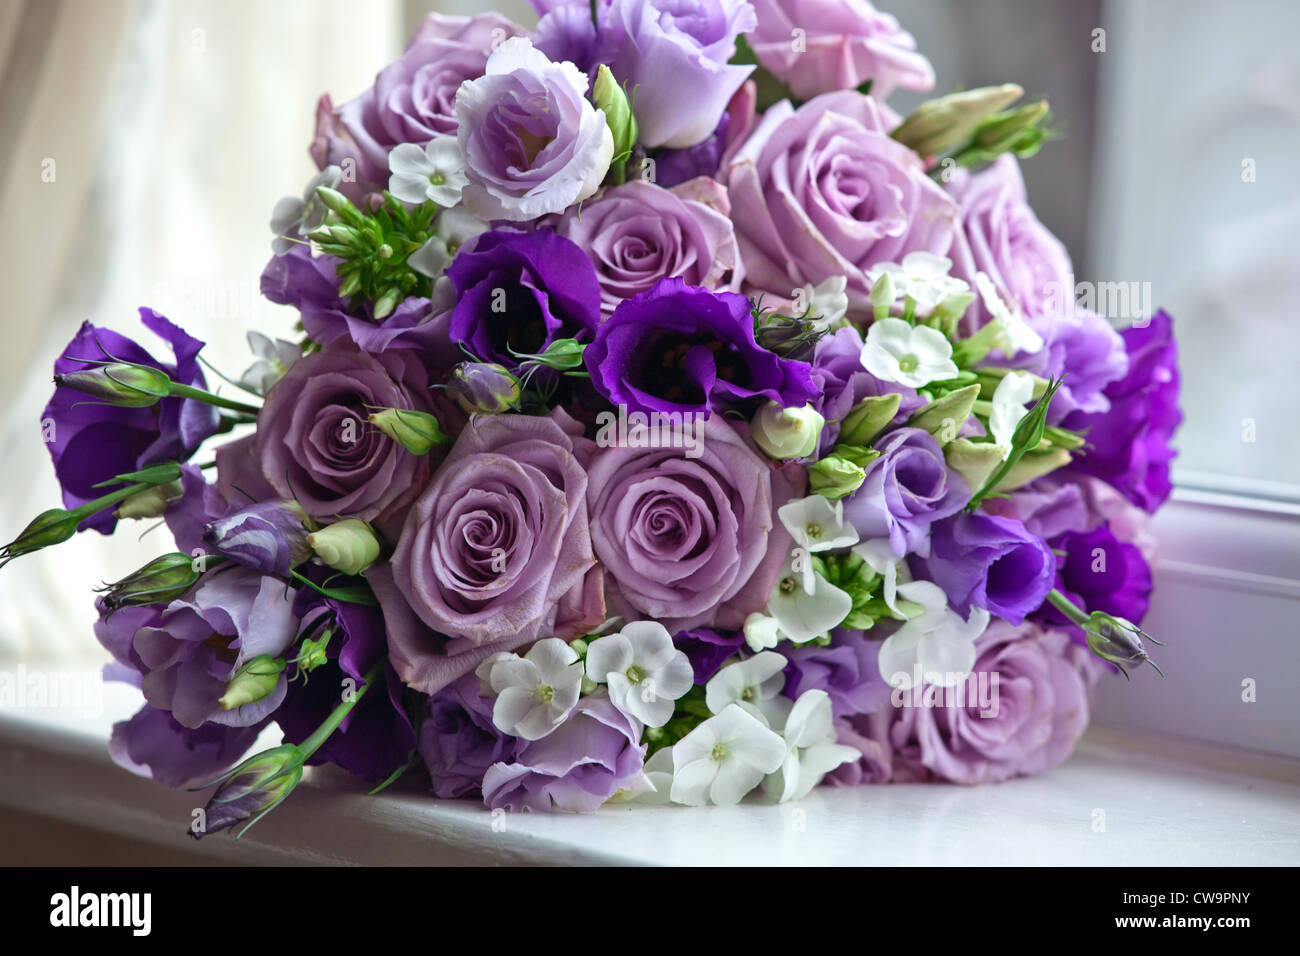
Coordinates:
608 96
944 417
869 418
150 503
1118 640
484 387
349 545
974 461
883 296
834 477
417 432
254 681
47 528
858 454
387 302
252 789
562 355
940 124
1033 464
787 432
1005 132
119 383
161 580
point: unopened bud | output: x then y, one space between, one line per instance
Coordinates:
417 432
484 387
161 580
349 545
940 124
787 432
47 528
119 383
835 477
150 503
252 682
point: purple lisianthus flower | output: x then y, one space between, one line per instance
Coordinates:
91 442
906 490
459 741
1031 723
154 744
869 735
376 737
690 542
638 233
845 43
1129 445
412 100
982 560
197 644
1083 348
676 166
676 55
707 649
578 766
494 550
533 143
846 669
681 349
1099 572
824 191
267 536
843 382
314 445
517 292
567 32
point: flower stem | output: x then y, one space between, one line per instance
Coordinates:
331 723
1067 607
177 390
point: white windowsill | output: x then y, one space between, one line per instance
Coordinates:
1166 800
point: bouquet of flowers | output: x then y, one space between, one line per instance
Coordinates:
666 419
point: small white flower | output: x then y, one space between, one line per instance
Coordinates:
817 524
656 783
1014 334
751 683
914 355
724 758
812 752
806 605
292 218
828 301
880 558
937 641
453 228
432 173
645 673
536 692
787 432
1009 398
924 277
274 357
762 632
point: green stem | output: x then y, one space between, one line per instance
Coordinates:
177 390
322 733
1067 607
110 499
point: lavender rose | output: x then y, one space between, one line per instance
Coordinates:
639 233
493 551
907 489
578 766
824 191
459 741
533 144
412 100
690 542
840 44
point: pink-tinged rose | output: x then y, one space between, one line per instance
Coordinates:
824 191
496 552
412 100
818 46
638 233
690 542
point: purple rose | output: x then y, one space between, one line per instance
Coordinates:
843 43
189 654
686 350
91 442
985 561
675 54
708 649
533 143
1129 445
493 551
638 233
517 292
824 191
314 445
842 382
412 101
578 766
1037 714
459 741
154 744
1099 572
690 542
908 488
846 669
1001 237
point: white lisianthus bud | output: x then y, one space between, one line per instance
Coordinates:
348 545
787 432
150 503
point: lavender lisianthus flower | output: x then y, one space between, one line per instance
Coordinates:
459 741
578 766
986 561
1088 353
566 32
682 349
412 99
494 550
843 44
533 144
842 382
676 54
824 191
1099 572
846 669
91 442
707 649
869 735
676 166
266 536
638 233
152 743
907 488
517 292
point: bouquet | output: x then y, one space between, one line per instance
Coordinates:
666 419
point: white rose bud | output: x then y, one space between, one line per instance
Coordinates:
348 545
787 432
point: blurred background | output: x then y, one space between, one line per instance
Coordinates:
144 142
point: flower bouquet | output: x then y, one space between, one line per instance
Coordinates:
666 419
